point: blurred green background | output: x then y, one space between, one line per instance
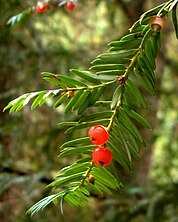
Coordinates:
29 140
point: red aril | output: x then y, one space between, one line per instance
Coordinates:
98 135
70 5
156 23
42 6
102 156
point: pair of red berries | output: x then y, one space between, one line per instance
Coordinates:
98 135
43 6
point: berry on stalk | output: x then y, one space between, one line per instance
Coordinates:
156 23
98 135
42 6
102 156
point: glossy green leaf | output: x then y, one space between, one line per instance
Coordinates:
115 56
137 117
85 75
71 81
103 189
75 168
68 81
136 27
132 36
76 150
151 12
133 152
110 60
53 80
149 56
29 97
73 200
105 67
158 40
118 154
48 95
76 198
38 100
174 19
78 192
40 205
147 64
124 137
84 159
154 46
96 94
116 96
97 115
136 92
112 168
130 97
116 145
17 106
129 125
147 32
64 180
114 138
88 124
102 103
124 44
144 64
67 123
105 177
82 140
109 74
15 19
133 142
129 41
144 80
16 102
149 53
124 141
73 101
147 77
20 17
85 101
82 95
106 76
61 100
174 3
128 100
85 191
96 189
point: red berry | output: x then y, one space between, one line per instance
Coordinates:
42 6
102 156
70 5
156 23
98 135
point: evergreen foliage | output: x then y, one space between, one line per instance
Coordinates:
129 63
